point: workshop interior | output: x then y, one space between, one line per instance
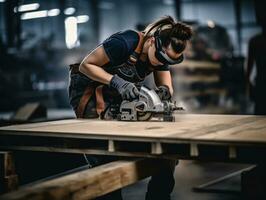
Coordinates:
218 90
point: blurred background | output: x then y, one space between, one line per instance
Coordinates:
39 39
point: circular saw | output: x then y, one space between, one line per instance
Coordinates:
147 106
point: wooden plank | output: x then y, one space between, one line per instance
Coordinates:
227 137
246 132
90 183
217 153
218 128
8 176
194 151
111 146
156 148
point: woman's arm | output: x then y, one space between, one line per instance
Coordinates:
163 78
92 64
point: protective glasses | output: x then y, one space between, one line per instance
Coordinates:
162 56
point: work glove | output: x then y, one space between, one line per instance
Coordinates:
164 93
127 90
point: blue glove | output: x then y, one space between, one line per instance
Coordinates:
127 90
164 93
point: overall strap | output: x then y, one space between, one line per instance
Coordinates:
87 95
84 101
133 58
100 104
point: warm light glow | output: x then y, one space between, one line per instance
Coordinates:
35 14
70 11
53 12
40 14
71 32
83 18
27 7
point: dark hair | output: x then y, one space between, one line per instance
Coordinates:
169 31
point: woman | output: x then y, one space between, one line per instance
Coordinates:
111 71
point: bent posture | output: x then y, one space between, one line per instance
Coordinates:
111 72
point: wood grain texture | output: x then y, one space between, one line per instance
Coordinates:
8 176
188 127
90 183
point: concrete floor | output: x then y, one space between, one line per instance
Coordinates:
189 174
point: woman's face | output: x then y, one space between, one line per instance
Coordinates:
151 53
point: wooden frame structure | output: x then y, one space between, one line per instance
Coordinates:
89 183
230 138
8 176
218 137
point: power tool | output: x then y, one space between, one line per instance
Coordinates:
148 105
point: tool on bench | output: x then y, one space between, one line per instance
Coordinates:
148 105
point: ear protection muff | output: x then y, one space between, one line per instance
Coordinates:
161 55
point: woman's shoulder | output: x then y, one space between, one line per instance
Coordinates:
130 37
120 45
127 34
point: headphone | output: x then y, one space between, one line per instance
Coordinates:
161 55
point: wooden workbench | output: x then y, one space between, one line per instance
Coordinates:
237 138
191 136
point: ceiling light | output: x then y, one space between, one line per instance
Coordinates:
53 12
71 32
210 23
35 14
70 11
82 18
27 7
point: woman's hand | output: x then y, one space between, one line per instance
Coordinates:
127 90
164 93
163 78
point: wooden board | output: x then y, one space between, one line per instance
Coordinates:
89 183
229 128
189 129
8 176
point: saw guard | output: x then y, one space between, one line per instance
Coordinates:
144 116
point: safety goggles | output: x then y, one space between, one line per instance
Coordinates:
162 56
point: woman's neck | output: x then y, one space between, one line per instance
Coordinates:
144 53
144 56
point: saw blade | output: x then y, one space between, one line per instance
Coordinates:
144 116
